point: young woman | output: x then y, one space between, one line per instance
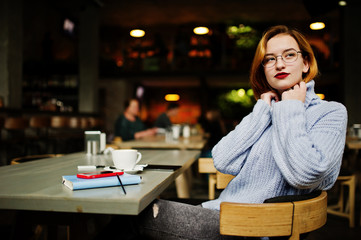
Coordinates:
292 143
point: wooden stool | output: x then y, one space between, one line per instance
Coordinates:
342 209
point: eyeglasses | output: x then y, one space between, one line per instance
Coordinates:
288 56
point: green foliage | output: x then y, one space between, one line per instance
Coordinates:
246 37
236 104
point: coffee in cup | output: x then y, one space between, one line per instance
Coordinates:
126 159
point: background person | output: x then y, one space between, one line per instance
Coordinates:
214 127
128 125
163 120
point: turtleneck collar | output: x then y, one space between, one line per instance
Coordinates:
310 94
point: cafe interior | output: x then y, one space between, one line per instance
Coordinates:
67 67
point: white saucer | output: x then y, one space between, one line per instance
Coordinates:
137 168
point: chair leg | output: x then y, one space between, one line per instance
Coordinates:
341 204
346 210
211 186
352 189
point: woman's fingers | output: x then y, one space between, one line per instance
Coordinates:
268 96
297 92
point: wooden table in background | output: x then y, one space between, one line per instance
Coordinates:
158 142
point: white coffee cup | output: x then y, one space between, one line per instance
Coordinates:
126 159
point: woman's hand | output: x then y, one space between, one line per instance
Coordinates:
145 133
268 96
298 92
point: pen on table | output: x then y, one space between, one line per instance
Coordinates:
121 184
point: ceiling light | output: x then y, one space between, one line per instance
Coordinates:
317 25
321 95
342 3
201 30
137 33
172 97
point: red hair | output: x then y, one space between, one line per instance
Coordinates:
257 76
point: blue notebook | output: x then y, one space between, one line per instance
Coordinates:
75 183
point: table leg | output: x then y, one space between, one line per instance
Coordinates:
182 186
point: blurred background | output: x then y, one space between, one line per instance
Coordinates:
77 58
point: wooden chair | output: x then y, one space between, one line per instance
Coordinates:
75 136
14 141
205 165
222 180
38 231
85 123
95 123
32 158
273 219
15 126
216 179
346 208
39 122
58 122
290 218
37 134
58 133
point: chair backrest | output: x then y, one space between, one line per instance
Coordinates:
205 165
74 122
273 219
32 158
15 123
14 129
95 123
84 123
59 122
39 122
222 180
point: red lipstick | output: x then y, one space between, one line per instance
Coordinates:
281 75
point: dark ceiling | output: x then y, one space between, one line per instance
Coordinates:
130 13
158 12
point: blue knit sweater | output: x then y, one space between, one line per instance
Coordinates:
288 148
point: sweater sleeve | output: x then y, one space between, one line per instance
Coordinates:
309 153
231 151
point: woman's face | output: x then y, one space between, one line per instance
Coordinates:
283 76
133 108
